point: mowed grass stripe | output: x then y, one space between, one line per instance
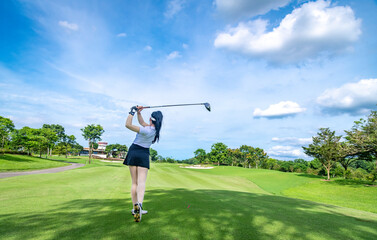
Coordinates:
274 182
198 179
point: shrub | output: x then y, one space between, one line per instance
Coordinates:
347 174
372 176
359 174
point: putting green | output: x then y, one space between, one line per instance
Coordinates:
94 202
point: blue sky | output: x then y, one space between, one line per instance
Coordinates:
274 71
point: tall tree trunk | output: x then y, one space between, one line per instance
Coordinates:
218 163
328 173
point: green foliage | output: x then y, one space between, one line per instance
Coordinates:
218 153
116 150
6 127
153 154
92 133
326 148
200 155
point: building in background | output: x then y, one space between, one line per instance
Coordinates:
99 152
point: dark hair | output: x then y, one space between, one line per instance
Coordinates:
157 115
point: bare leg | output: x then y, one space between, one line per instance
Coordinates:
141 179
134 176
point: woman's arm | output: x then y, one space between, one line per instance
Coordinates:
140 118
129 124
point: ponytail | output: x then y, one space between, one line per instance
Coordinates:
157 122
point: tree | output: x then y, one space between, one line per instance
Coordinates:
60 134
259 156
153 154
68 142
270 163
247 157
76 148
200 155
92 133
326 148
6 127
363 138
300 164
218 152
50 137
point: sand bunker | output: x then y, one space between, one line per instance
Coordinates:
197 167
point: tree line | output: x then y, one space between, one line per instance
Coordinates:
245 156
49 139
52 139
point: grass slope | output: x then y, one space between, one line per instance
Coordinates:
94 202
13 163
339 192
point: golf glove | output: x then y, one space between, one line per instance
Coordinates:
133 110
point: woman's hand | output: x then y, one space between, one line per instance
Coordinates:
139 109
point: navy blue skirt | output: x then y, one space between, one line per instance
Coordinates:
137 156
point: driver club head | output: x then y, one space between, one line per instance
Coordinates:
208 107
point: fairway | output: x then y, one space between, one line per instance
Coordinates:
221 203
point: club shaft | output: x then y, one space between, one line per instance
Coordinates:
175 105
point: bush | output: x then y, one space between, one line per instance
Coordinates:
338 171
347 174
7 151
359 174
372 176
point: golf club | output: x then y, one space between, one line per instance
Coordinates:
206 105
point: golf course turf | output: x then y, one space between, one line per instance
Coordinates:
220 203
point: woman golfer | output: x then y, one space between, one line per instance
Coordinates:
137 157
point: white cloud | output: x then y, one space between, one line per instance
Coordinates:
185 46
355 98
70 26
173 55
174 7
314 29
248 8
148 48
279 110
286 152
121 35
292 141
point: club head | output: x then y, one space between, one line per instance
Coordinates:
208 107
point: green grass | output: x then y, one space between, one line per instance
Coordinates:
10 162
93 202
341 192
274 182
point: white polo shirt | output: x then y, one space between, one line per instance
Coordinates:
145 136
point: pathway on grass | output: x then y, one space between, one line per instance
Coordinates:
49 170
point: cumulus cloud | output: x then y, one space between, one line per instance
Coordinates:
292 141
279 110
314 29
173 55
286 152
248 8
70 26
174 7
353 98
121 35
